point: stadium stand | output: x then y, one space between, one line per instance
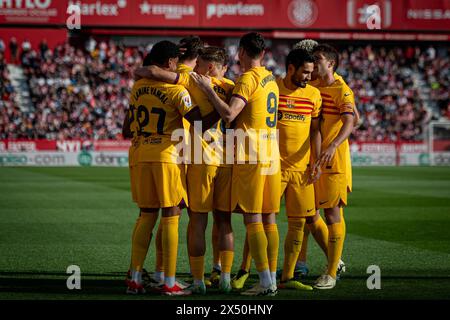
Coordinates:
81 93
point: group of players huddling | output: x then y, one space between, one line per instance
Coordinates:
308 115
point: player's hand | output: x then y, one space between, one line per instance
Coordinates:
327 154
203 82
139 73
314 173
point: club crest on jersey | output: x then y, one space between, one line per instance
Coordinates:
290 103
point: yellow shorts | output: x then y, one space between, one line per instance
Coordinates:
331 190
253 190
209 188
298 194
160 185
132 162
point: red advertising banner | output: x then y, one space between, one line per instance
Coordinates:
32 11
63 145
104 12
381 15
238 14
163 13
342 15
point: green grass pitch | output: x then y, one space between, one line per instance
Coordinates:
50 218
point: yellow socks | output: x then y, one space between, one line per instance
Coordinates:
246 256
159 250
226 257
304 249
336 233
273 243
257 243
319 231
170 246
197 267
141 240
292 246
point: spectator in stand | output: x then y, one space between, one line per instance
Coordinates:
81 93
13 49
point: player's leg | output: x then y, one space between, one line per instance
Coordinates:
318 228
196 250
170 221
170 186
336 231
257 242
139 247
159 266
217 267
200 182
300 204
332 194
243 273
225 247
301 268
145 198
273 242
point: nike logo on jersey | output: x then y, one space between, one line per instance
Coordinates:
322 202
346 94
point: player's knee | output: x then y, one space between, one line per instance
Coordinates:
148 211
171 211
269 218
332 215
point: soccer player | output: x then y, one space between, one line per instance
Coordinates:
209 182
157 110
255 186
315 224
298 125
189 51
336 125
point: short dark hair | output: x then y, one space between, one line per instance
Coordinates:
298 57
329 52
253 44
161 53
214 54
191 46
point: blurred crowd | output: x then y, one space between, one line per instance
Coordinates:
82 93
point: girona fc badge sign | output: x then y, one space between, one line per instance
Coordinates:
302 13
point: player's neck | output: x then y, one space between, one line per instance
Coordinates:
249 64
189 63
326 80
288 84
215 75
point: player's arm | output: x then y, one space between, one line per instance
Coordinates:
348 119
356 119
192 113
316 141
228 112
208 121
156 73
126 128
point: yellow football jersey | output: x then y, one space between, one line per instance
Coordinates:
337 99
181 67
223 89
258 89
157 110
295 111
